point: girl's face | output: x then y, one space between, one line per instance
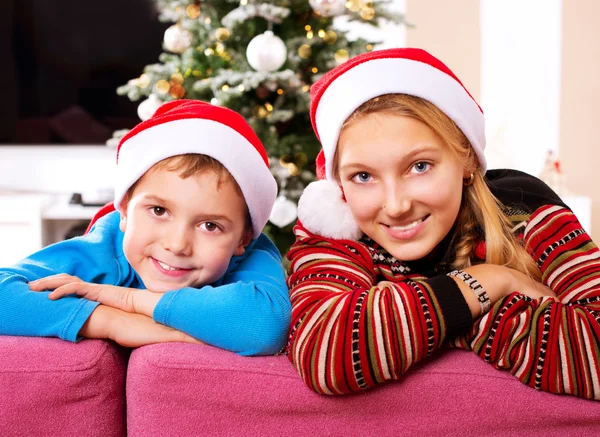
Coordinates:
402 183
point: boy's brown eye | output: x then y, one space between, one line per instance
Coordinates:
210 226
158 211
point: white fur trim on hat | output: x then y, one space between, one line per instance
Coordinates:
323 211
196 135
376 77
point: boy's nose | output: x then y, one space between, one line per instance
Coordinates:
178 241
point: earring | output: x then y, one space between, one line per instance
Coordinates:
469 181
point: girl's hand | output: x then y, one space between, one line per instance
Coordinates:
64 285
499 282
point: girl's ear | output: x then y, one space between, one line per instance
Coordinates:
244 242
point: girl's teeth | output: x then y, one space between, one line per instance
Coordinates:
166 267
407 227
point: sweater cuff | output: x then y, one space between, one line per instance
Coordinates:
455 309
161 309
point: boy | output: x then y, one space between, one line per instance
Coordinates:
185 248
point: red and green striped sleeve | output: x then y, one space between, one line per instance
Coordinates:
551 346
348 333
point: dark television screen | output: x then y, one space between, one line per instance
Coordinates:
61 62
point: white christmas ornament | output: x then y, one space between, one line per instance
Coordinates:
177 39
266 52
148 107
284 212
328 8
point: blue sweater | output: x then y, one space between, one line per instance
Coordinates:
246 311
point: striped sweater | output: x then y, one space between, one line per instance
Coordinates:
348 334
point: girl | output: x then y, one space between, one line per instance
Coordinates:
409 245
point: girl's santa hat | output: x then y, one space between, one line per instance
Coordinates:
190 126
342 90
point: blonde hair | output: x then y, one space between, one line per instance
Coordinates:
193 164
480 210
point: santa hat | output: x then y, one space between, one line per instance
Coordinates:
342 90
190 126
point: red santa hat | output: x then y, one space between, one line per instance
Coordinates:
342 90
190 126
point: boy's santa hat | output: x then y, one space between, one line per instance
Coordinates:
342 90
190 126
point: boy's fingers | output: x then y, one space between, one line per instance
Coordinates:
52 282
64 290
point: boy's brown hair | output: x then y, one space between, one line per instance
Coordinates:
194 164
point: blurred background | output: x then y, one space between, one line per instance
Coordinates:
77 75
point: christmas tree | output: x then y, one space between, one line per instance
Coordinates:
258 58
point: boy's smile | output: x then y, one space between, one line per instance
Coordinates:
183 232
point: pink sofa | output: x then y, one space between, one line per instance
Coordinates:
180 389
51 387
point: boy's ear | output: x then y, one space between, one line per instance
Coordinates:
123 221
244 242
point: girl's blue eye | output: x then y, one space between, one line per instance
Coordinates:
361 177
421 167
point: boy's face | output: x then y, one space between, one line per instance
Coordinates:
183 232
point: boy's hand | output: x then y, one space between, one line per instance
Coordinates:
64 285
130 330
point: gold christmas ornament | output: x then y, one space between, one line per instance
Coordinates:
193 11
162 86
330 37
341 56
369 47
354 5
176 79
222 34
304 51
279 91
367 13
260 112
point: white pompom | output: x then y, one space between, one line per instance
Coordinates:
322 211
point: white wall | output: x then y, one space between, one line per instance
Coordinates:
56 169
520 81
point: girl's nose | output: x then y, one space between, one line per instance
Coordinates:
396 202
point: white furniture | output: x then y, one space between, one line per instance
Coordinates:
29 222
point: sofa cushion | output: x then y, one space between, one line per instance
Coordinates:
180 389
50 387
